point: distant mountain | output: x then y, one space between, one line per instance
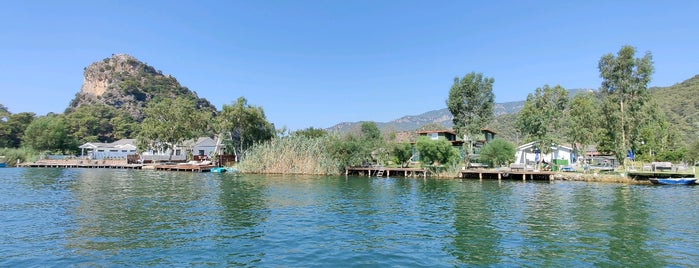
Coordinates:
128 84
413 122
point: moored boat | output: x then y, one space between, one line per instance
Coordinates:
673 181
224 170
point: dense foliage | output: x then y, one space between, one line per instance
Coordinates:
170 122
436 152
471 102
497 152
543 116
49 133
625 91
243 125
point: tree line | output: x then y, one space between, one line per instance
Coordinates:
617 119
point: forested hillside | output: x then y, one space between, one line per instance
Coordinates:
680 102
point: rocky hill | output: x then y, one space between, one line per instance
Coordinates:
126 83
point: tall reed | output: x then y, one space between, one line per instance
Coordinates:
22 154
290 155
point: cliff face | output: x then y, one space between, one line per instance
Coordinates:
126 83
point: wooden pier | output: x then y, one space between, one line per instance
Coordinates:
379 171
81 165
488 174
646 175
187 168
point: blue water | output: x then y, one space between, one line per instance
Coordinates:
93 217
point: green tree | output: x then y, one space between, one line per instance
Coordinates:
624 88
655 134
12 130
438 151
402 152
312 132
99 123
49 133
584 119
370 131
245 125
543 115
471 101
497 152
348 150
170 122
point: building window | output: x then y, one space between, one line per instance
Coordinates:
201 152
177 152
434 136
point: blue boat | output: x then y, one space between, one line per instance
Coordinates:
224 170
673 181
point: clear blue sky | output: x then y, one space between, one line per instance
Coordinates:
318 63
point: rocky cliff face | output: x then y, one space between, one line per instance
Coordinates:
126 83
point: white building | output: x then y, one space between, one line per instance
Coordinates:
527 154
114 150
202 147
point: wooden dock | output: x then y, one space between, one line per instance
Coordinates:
379 171
187 168
646 175
80 165
489 174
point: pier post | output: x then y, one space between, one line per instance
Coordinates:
524 177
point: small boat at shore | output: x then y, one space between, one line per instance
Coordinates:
673 181
224 170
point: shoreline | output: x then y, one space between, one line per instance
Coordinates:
116 164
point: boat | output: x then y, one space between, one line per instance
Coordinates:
2 162
224 170
673 181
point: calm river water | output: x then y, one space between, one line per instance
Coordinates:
93 217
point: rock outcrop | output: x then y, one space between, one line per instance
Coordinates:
126 83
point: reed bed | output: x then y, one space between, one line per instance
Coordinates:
290 155
22 154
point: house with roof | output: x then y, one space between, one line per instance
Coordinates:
527 155
199 148
202 147
445 134
117 149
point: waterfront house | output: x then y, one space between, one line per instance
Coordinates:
448 135
202 147
528 154
114 150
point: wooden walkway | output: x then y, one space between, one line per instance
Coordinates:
482 174
81 165
645 175
386 172
188 168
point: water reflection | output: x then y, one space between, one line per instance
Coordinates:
478 214
93 217
629 233
121 212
